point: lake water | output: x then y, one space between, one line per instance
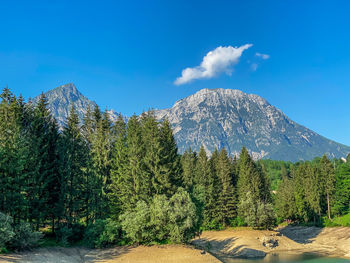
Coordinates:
287 258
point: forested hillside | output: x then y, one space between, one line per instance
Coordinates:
105 183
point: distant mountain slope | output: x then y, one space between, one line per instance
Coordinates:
62 98
221 118
232 119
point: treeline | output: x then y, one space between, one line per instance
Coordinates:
107 183
314 191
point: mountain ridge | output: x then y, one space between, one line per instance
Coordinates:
217 118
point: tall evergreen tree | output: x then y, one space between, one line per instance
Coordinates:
328 178
121 181
188 163
12 157
74 155
170 160
227 197
43 167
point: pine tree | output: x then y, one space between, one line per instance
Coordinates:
121 181
202 170
140 188
74 155
227 196
12 157
153 154
212 206
328 178
188 164
42 166
313 190
101 151
170 160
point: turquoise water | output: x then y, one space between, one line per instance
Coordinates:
284 258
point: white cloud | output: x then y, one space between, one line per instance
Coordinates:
254 66
263 56
215 62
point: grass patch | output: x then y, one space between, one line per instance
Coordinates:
338 221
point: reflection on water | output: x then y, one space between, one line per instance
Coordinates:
287 258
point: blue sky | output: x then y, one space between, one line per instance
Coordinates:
126 55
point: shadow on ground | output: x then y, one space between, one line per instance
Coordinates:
65 255
301 234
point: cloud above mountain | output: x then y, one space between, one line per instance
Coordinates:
263 56
217 61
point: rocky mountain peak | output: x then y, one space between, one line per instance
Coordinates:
230 118
217 118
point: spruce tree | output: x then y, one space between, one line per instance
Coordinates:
43 167
121 181
74 155
136 173
153 154
328 178
227 197
170 160
188 164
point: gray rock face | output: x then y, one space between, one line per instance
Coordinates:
221 118
232 119
61 100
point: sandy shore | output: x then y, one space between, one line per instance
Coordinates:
331 242
140 254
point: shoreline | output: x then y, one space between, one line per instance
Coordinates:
292 240
219 246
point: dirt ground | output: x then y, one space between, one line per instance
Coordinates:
140 254
243 242
332 242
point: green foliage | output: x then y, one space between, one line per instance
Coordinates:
18 237
337 221
6 230
103 233
182 217
136 223
238 222
84 180
24 237
257 213
171 219
70 234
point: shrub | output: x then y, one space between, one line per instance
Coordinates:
212 225
70 234
19 237
182 217
257 213
136 223
103 233
173 220
238 222
25 237
6 230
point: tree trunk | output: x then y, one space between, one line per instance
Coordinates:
328 207
53 224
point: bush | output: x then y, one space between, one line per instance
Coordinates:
238 222
70 234
25 237
182 217
212 225
103 233
338 221
6 230
19 237
136 223
173 220
256 213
